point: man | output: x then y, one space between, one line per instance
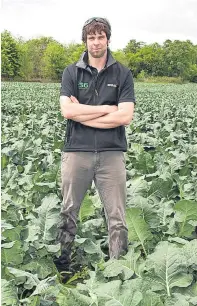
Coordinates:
97 98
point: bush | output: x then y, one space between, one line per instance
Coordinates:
192 73
142 76
161 79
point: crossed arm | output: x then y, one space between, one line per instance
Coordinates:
101 116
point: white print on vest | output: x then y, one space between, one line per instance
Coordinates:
112 85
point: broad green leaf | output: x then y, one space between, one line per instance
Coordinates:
137 148
190 252
50 177
193 289
172 227
179 299
138 229
48 217
44 285
178 240
72 297
87 209
92 226
175 302
114 268
41 249
161 187
165 210
5 203
145 163
42 267
167 267
90 285
12 215
151 299
193 301
189 292
29 280
33 300
12 253
9 295
149 210
4 161
51 201
91 247
8 245
52 248
96 200
45 187
33 232
126 266
115 294
5 225
185 211
13 233
62 299
80 240
134 259
136 187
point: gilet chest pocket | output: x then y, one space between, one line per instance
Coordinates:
111 92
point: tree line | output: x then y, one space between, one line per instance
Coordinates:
45 58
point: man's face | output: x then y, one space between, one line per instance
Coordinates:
97 44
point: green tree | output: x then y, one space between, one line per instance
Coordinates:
26 64
148 59
73 52
120 56
9 56
57 57
54 59
44 57
179 57
173 59
34 51
192 73
133 46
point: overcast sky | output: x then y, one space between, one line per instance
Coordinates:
143 20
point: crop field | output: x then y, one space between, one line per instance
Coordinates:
160 267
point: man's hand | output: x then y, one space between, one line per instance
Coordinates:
74 100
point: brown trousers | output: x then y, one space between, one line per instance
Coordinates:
107 169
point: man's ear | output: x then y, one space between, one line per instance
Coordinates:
108 42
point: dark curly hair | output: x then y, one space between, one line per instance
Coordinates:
94 25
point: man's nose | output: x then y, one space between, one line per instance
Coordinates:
96 41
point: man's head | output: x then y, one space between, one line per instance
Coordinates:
96 34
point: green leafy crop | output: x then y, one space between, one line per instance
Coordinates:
160 267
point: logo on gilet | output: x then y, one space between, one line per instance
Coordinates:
82 85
